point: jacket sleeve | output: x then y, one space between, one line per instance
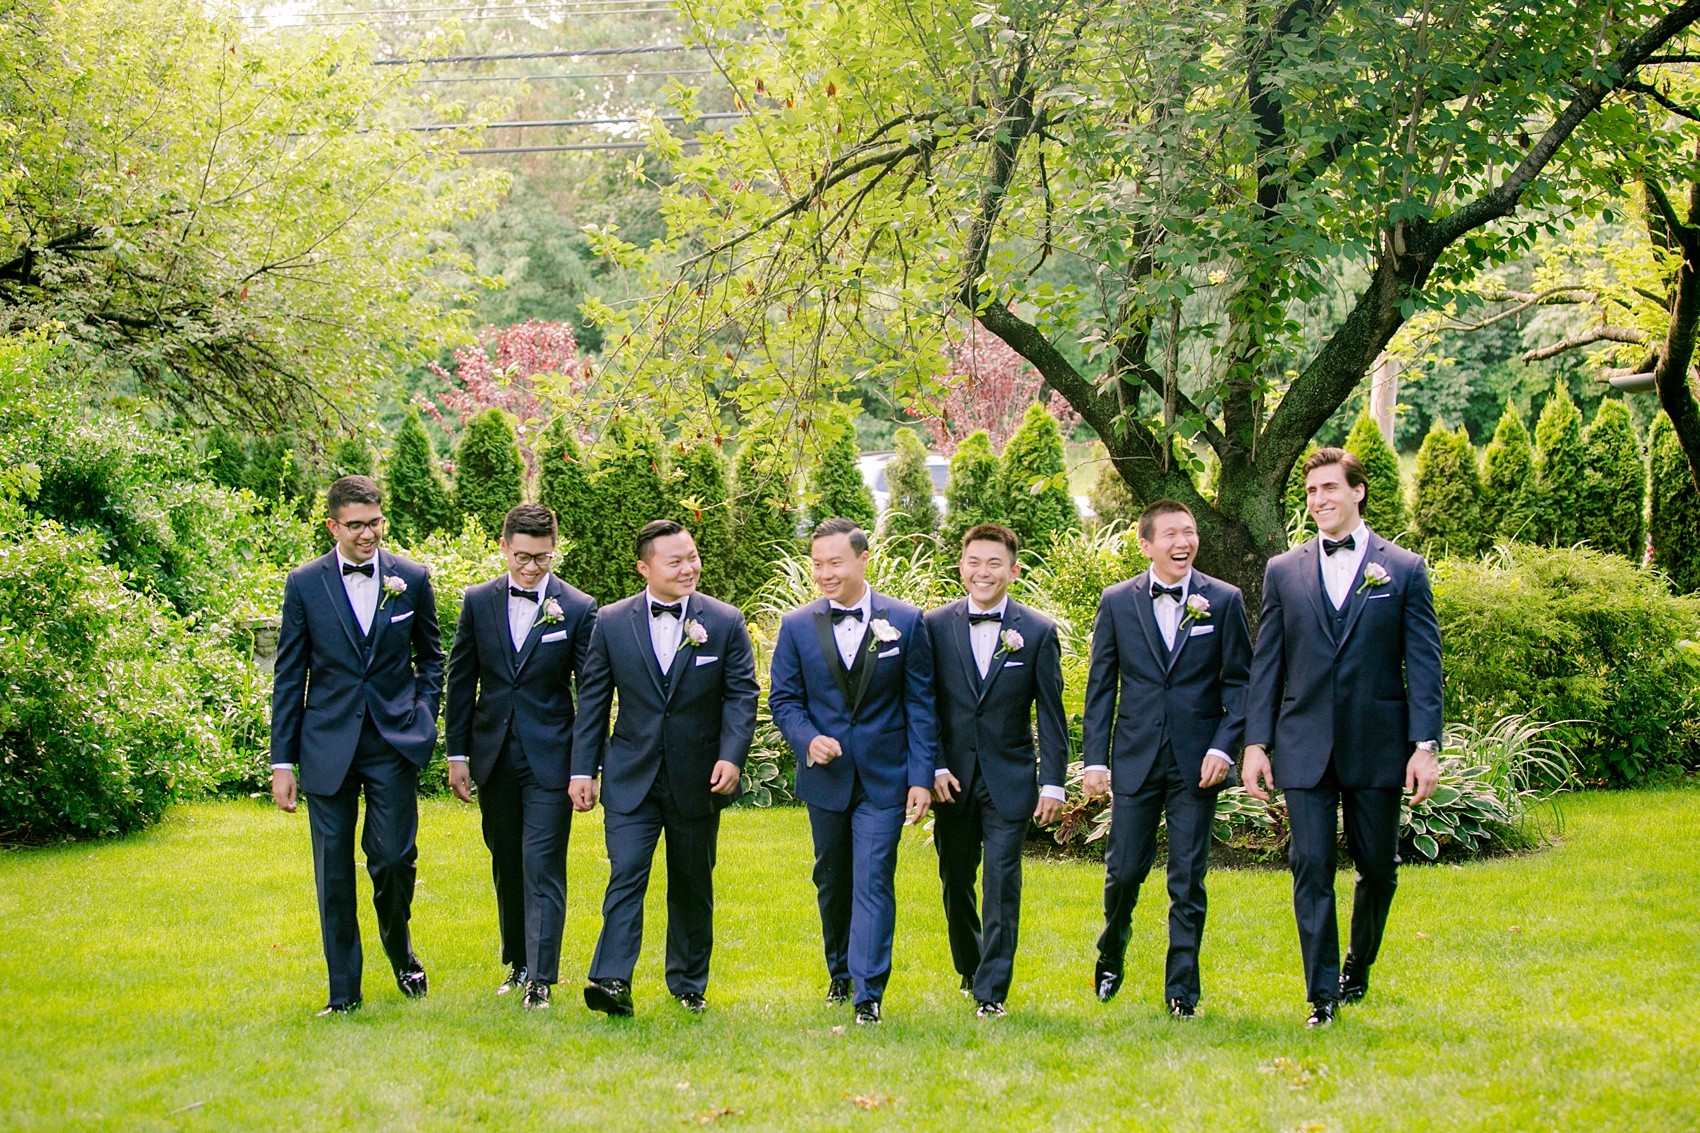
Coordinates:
919 707
1423 673
787 698
427 650
462 680
1268 667
738 695
1053 721
1236 675
1102 681
595 703
289 676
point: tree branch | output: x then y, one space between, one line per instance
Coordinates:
1588 338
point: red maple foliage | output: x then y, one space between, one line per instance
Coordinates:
991 387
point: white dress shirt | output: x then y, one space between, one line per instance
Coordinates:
1340 568
983 636
665 631
362 591
849 633
523 612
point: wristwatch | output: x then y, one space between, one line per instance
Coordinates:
1429 746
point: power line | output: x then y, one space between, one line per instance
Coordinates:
566 149
571 6
540 122
588 75
426 19
568 54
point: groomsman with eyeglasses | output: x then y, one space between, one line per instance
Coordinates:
518 647
358 677
1345 714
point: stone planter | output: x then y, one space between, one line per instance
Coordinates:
262 632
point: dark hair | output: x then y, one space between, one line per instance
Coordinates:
992 533
530 519
653 530
1352 466
841 526
1148 517
352 490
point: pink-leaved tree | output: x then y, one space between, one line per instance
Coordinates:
991 387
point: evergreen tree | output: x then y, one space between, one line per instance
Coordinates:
1559 469
1111 500
910 510
275 471
1445 513
353 457
416 501
1036 451
1299 523
973 493
1508 481
701 501
626 492
1384 510
836 487
763 521
489 474
227 459
1614 487
1675 509
563 486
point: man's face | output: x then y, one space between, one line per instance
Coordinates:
529 558
673 567
357 529
1334 504
1172 546
987 568
838 568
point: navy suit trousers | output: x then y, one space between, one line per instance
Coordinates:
855 881
967 832
526 826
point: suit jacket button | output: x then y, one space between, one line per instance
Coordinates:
1168 685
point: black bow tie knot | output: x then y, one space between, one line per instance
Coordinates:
975 618
1329 546
516 592
656 610
1158 590
839 613
362 568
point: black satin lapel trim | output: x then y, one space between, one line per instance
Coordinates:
873 655
646 648
1012 620
829 653
338 594
497 600
963 639
1143 606
1359 594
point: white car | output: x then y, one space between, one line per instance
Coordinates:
873 466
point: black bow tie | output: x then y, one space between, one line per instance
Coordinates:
516 592
1329 546
976 618
363 568
1158 590
839 614
656 609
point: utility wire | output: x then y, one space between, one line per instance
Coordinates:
540 122
539 78
428 19
567 54
572 5
566 149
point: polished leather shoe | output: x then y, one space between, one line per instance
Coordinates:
536 996
1321 1014
1181 1009
867 1012
838 993
1354 980
518 977
412 983
1106 981
348 1008
693 1002
966 987
611 997
990 1009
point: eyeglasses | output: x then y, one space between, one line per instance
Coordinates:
361 526
542 558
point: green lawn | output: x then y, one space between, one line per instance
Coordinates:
167 982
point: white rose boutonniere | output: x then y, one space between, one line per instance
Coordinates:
694 633
1198 607
394 585
1374 575
552 612
882 632
1010 641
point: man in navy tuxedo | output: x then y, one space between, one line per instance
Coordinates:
354 703
995 663
685 673
1344 712
852 693
1165 713
520 640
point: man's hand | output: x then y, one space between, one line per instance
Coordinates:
1256 775
283 788
1215 770
583 793
943 785
1422 775
460 780
723 780
1048 810
1095 783
823 750
920 799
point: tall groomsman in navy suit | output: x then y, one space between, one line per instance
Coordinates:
1165 713
685 673
354 704
520 640
1346 700
852 693
995 661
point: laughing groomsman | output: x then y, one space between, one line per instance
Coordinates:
520 640
995 663
852 693
1344 712
685 672
354 703
1165 712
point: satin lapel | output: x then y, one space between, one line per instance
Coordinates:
497 601
1184 629
381 615
873 657
829 652
1376 553
338 594
1148 619
1012 620
1315 591
639 617
537 629
964 641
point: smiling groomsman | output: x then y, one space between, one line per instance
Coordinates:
520 640
995 662
1344 712
354 703
1165 712
852 693
685 672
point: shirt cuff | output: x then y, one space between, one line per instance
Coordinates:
941 772
283 767
457 759
581 776
1049 792
1220 754
1097 767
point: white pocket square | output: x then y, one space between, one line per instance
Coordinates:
1013 664
558 635
1373 597
401 617
707 660
1200 631
892 652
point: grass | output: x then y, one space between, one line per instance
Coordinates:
166 981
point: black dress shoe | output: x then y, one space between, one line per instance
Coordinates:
1354 980
348 1008
611 997
518 977
412 983
693 1002
1181 1009
536 996
838 993
867 1012
1321 1014
966 987
1106 981
990 1009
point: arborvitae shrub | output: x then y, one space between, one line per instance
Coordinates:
1384 509
489 474
1614 488
910 510
1445 512
1675 509
700 500
1559 469
973 493
835 484
1036 451
627 492
1508 481
1109 495
563 485
763 520
416 501
1296 514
